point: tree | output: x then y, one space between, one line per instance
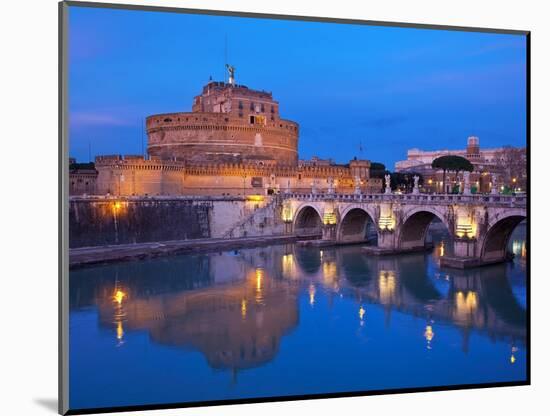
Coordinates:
404 180
451 163
512 164
377 170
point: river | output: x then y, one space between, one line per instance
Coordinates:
291 320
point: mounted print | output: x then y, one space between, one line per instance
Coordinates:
264 207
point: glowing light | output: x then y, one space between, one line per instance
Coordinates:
386 223
289 267
243 308
514 180
465 305
442 249
119 331
430 181
386 285
329 218
519 248
255 198
311 294
287 214
119 296
429 335
361 312
465 231
259 278
512 356
329 271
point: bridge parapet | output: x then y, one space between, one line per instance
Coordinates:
430 199
479 225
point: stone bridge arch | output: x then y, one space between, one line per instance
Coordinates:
499 229
412 230
308 220
353 222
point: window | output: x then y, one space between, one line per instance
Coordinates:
240 105
251 105
262 108
272 109
251 119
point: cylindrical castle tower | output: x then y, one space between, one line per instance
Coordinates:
229 123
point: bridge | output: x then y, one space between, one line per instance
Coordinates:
480 225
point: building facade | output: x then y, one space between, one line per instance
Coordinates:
503 168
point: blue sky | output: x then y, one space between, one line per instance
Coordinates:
390 89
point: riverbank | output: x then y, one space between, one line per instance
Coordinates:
85 256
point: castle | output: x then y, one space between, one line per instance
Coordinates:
233 142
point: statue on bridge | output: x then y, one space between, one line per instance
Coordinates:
330 185
357 182
416 178
387 178
494 187
467 190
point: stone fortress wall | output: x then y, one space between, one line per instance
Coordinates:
233 142
136 175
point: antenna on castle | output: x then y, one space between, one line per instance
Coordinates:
225 57
142 136
361 148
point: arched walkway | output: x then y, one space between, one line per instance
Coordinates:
412 233
354 226
308 221
496 240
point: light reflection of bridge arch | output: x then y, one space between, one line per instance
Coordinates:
354 224
495 242
412 233
308 220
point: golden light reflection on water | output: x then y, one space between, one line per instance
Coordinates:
119 314
119 330
429 335
519 249
289 266
465 305
330 272
119 296
311 294
386 286
362 313
259 273
513 356
243 308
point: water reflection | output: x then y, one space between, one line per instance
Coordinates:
238 322
237 308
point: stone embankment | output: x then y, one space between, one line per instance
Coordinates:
125 252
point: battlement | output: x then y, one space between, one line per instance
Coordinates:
216 121
220 86
138 162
